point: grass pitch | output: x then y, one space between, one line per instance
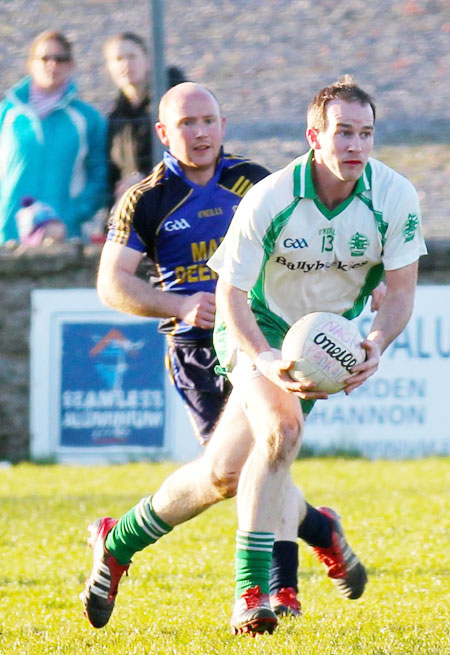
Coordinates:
177 600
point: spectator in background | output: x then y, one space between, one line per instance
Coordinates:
52 145
130 126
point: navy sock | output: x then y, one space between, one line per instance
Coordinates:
315 528
284 566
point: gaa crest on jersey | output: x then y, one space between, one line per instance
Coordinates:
295 243
358 244
176 225
410 227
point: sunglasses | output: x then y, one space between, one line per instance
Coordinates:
58 59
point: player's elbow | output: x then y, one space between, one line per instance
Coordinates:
105 290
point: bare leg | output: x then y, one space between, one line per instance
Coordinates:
276 421
213 476
293 512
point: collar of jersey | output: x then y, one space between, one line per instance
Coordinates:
174 166
304 185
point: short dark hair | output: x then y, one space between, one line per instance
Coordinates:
343 89
126 36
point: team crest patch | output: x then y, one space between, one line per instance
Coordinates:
410 227
358 244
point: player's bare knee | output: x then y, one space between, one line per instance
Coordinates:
224 482
284 441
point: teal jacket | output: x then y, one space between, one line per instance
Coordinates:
59 159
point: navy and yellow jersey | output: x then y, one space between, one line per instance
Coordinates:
179 225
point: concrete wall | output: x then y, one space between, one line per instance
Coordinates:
74 266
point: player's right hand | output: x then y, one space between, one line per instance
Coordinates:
198 309
277 372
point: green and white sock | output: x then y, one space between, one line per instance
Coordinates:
137 529
253 557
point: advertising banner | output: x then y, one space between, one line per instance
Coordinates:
112 385
99 392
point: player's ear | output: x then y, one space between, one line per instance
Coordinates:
160 130
312 136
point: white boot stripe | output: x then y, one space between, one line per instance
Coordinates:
98 591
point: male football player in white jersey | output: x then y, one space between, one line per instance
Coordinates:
315 236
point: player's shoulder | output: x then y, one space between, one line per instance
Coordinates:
271 195
160 182
384 180
149 187
279 183
155 195
237 168
146 203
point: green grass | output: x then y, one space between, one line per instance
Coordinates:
178 597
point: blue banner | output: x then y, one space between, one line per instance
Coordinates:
112 385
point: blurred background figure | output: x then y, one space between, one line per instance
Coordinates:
52 145
130 126
38 224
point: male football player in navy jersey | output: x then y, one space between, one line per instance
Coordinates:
178 216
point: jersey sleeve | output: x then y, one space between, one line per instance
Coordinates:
122 220
404 238
240 257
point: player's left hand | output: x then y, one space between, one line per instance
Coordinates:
361 372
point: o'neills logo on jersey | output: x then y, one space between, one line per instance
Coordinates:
307 267
176 225
214 211
345 359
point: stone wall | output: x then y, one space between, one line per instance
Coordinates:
21 271
74 266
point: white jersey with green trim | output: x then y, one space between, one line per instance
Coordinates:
296 256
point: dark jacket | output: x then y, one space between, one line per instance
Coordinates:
129 139
130 134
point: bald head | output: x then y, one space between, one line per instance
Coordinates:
179 94
191 126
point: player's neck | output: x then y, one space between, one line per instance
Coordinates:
199 176
330 189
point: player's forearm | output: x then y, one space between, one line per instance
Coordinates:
390 320
239 319
131 295
396 308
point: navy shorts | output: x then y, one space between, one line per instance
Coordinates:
204 393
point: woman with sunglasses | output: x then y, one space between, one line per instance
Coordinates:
52 145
